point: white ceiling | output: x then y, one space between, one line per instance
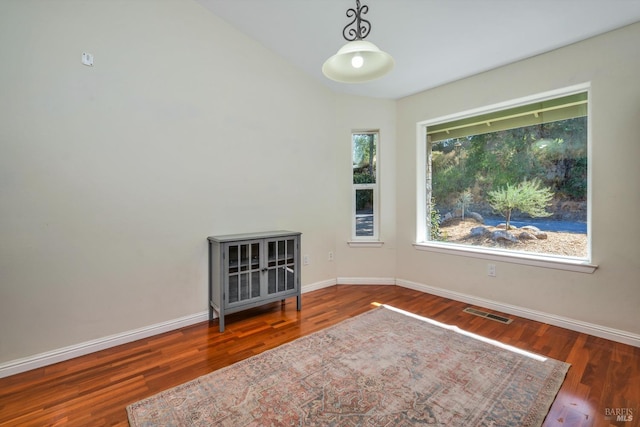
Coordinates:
432 41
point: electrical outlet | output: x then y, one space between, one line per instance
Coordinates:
305 260
330 255
491 270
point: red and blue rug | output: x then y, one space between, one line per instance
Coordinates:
382 368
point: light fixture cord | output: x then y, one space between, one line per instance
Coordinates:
362 26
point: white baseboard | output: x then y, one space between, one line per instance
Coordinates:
539 316
59 355
318 285
366 281
50 357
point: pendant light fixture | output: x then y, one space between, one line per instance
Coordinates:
359 60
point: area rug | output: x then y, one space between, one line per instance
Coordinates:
381 368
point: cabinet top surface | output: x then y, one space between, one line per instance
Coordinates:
249 236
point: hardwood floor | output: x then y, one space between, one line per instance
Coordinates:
95 389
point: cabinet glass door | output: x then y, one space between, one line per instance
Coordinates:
244 272
281 257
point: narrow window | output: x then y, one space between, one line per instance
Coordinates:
364 157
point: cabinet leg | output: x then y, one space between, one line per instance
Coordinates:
299 298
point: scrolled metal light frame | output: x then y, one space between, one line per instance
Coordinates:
362 27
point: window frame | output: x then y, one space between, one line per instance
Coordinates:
375 187
422 242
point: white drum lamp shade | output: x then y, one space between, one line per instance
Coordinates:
356 62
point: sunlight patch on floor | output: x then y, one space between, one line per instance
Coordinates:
466 333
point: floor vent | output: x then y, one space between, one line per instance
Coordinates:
491 316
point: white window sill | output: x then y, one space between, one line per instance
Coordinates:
536 260
365 244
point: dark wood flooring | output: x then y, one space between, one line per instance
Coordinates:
95 389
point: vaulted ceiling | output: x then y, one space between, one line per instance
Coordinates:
432 41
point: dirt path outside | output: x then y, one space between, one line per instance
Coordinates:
556 243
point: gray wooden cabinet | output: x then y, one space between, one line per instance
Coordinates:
248 270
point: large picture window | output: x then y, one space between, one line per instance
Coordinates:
509 180
364 156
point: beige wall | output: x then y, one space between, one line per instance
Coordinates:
111 177
357 113
610 297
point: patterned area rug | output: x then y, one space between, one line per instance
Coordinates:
381 368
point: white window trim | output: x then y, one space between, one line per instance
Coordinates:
514 257
583 265
366 241
365 244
